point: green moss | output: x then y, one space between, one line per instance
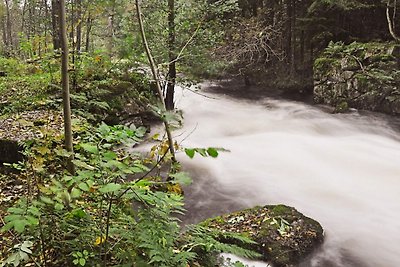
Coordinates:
324 64
342 107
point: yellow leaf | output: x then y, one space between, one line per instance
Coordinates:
100 240
43 150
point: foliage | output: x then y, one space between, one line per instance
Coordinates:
112 211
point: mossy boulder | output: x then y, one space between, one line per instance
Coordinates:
284 236
362 75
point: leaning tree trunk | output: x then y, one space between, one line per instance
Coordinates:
155 77
65 86
391 21
169 98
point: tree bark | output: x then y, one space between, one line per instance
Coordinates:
4 31
288 48
155 77
111 29
88 30
293 38
65 86
79 25
55 21
390 21
10 42
171 81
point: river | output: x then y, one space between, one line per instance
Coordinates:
341 169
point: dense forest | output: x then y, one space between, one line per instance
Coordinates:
82 83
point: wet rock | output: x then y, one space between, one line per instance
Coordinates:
284 236
359 75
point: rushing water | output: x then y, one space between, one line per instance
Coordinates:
340 169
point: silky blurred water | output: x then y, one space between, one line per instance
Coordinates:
341 169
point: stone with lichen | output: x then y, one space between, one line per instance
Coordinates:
284 236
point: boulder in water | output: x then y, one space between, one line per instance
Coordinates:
284 236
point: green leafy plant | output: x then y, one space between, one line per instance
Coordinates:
113 211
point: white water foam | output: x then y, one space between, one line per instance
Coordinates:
342 170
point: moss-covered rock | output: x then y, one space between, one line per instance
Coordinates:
359 75
284 236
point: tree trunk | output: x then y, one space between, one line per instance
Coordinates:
288 47
55 21
111 29
293 38
390 21
65 86
10 42
169 99
88 30
79 25
4 31
155 77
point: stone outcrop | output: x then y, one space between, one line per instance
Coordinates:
284 236
360 75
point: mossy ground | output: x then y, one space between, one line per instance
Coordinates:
284 235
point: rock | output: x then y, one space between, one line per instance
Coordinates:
10 151
25 126
394 51
284 236
342 107
359 75
350 64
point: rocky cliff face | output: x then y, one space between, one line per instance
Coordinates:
360 75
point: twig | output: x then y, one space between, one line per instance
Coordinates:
200 94
143 176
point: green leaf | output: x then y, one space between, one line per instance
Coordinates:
212 152
75 193
59 206
76 261
141 131
82 261
46 200
34 211
83 186
79 213
190 152
109 155
7 227
83 165
182 178
19 225
32 220
13 217
16 210
90 148
109 188
63 153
